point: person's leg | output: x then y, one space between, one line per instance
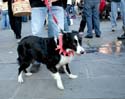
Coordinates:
122 8
7 19
17 27
88 14
38 16
82 23
66 26
113 15
3 20
53 29
123 35
96 20
15 23
37 25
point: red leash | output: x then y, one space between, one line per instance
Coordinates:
49 8
60 47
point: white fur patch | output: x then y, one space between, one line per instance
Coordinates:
69 75
58 80
79 48
65 59
20 78
28 74
72 76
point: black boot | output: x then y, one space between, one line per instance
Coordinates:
121 37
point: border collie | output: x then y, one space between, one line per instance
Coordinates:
53 52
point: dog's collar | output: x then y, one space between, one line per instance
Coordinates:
60 47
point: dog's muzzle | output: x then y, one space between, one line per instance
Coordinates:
80 50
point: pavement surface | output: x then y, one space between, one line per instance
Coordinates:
101 72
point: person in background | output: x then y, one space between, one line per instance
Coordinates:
15 22
66 6
122 36
91 10
38 15
115 4
4 14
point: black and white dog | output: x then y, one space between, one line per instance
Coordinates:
54 52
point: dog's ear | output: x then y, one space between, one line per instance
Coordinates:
79 36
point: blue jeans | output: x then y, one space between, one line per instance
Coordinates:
91 10
5 20
66 25
114 10
38 17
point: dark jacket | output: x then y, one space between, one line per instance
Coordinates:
39 3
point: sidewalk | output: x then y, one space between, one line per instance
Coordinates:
101 72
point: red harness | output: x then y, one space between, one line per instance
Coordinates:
60 47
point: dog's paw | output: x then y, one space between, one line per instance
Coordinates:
60 87
28 74
20 79
72 76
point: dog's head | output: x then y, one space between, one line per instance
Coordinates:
72 41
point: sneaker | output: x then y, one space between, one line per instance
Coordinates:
88 36
113 29
35 68
18 40
98 36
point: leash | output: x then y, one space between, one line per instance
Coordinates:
54 17
60 46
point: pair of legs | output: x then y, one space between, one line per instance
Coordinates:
114 14
15 22
53 71
5 20
92 13
38 18
57 76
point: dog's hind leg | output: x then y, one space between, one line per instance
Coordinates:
57 77
20 78
68 72
22 69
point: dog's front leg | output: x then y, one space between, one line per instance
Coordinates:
57 77
67 71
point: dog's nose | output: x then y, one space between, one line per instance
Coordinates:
82 52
